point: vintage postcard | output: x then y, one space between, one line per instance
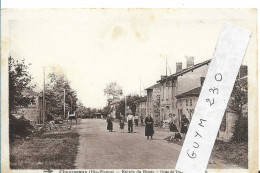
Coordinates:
116 90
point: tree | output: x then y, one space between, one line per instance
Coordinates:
239 98
105 111
113 90
54 96
130 102
82 111
19 81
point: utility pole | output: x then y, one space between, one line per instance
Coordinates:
64 105
71 105
140 86
43 97
125 106
166 66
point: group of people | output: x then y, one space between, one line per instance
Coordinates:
184 126
149 130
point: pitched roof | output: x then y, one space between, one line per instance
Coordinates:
152 87
186 70
192 92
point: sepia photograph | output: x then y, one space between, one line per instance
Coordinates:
107 89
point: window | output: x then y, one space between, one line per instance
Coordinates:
190 102
187 102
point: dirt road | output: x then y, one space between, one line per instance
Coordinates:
101 149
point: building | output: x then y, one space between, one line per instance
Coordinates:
32 111
182 81
226 129
141 109
153 102
186 103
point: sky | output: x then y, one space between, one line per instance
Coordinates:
93 47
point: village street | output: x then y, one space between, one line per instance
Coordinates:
101 149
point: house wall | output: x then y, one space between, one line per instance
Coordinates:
143 109
153 103
186 106
149 101
168 98
32 112
227 125
226 129
171 88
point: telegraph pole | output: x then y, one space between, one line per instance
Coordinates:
71 105
125 106
140 86
43 97
64 104
166 66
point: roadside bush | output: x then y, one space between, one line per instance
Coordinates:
19 127
241 130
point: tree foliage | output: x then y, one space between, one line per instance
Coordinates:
130 102
113 90
54 96
84 112
19 81
239 98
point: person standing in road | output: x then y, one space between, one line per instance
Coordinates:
142 120
184 125
173 127
122 125
130 119
109 123
136 120
149 127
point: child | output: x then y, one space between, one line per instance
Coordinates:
122 125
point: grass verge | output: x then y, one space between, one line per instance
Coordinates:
47 151
235 153
231 152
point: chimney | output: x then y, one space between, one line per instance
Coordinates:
178 67
190 61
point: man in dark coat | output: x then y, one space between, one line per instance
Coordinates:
149 127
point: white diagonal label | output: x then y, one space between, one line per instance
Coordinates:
213 99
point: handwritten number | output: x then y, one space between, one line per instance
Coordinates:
218 77
213 90
211 103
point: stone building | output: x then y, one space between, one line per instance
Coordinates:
153 102
141 107
180 82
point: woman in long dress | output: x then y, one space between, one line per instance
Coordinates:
173 127
184 125
109 123
149 127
